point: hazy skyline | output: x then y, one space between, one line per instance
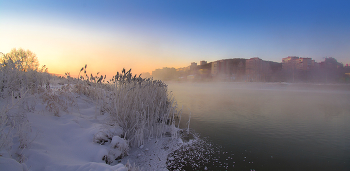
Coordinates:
146 35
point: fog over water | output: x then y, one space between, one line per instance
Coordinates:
270 126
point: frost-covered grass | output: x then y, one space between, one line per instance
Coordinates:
81 123
143 108
18 89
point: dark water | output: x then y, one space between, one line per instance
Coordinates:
268 126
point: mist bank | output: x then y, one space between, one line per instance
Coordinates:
220 87
292 70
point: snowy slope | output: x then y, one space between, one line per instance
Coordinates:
65 142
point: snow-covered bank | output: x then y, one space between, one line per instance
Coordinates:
67 143
51 123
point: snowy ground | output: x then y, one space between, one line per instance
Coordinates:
153 155
67 143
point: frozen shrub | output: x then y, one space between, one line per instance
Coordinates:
20 80
58 100
27 59
16 73
106 134
119 147
6 131
138 109
108 159
101 138
143 108
14 127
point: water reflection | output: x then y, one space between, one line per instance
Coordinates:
275 126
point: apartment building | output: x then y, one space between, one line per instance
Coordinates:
292 63
227 68
257 69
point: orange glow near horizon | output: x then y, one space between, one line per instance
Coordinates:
64 50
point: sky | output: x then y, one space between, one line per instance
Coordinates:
146 35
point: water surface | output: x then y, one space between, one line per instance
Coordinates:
270 126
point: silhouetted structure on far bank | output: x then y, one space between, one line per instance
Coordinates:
292 69
297 69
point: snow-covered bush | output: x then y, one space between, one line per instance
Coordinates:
106 134
6 129
118 148
20 81
57 100
16 75
121 147
14 127
143 108
101 138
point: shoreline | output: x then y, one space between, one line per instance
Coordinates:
153 155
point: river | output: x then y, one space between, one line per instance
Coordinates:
268 126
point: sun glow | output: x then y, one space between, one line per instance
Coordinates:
64 50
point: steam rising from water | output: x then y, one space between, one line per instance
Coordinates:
274 125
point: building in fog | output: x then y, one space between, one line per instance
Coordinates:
298 68
193 66
228 69
214 68
204 70
254 69
305 64
292 63
292 69
202 63
165 74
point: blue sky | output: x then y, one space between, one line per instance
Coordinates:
145 35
